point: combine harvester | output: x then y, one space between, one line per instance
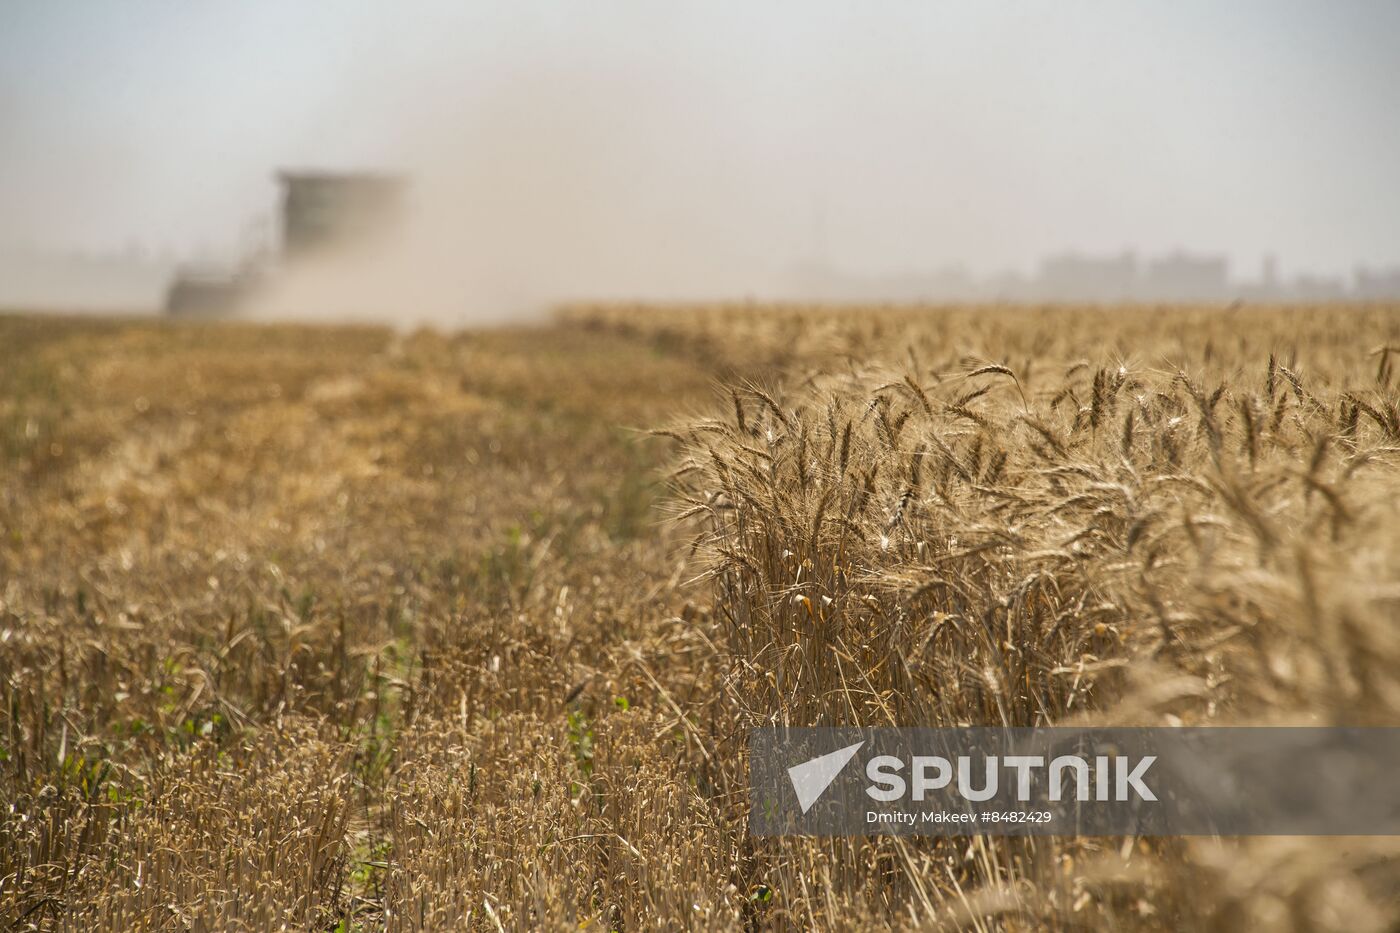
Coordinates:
319 211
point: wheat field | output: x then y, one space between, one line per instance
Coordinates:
341 629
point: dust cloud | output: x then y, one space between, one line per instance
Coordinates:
560 186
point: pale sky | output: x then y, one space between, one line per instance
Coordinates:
922 133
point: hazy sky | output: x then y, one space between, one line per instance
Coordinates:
720 138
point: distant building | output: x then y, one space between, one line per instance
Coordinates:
1376 285
1074 277
1183 277
1268 279
1317 288
1178 277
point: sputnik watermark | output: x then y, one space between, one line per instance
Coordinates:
811 778
1075 781
1115 778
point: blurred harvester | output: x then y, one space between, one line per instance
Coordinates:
320 212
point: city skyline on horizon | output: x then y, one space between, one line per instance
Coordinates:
134 279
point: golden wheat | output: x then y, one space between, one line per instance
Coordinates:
335 629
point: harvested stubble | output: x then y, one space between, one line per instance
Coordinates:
328 629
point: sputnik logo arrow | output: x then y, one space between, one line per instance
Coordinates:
811 778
